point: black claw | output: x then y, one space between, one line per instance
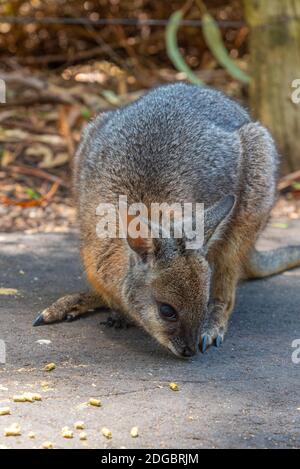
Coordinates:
218 341
39 321
70 318
204 344
110 322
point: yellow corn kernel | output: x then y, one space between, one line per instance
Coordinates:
67 433
95 402
79 425
174 386
4 411
106 432
47 445
20 398
50 367
31 435
82 436
134 432
27 397
13 430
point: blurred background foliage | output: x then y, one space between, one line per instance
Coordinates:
64 61
145 44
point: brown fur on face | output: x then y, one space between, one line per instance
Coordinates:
182 280
188 295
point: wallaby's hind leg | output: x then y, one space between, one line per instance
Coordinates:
262 264
69 307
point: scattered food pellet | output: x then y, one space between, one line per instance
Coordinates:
31 435
95 402
8 291
82 436
4 411
47 445
31 397
50 367
106 432
134 432
13 430
43 342
27 397
174 386
79 425
67 433
19 398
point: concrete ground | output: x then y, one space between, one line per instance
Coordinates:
243 395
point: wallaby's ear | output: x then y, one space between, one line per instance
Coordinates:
138 236
158 247
142 246
215 219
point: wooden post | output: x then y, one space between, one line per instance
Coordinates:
275 65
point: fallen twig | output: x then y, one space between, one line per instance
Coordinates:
36 172
32 202
287 180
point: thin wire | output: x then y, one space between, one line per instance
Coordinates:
110 21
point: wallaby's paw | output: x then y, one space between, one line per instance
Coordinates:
212 336
39 321
67 308
48 316
43 319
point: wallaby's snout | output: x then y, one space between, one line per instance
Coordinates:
186 343
187 352
182 350
191 348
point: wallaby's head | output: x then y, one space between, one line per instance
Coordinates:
167 287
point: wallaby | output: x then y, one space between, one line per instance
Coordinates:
177 143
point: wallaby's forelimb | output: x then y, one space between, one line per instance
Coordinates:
69 307
266 263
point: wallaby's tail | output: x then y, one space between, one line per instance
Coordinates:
265 263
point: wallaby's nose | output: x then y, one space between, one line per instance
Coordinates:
187 352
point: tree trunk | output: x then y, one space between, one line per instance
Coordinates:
275 65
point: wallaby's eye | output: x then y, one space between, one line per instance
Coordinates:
167 312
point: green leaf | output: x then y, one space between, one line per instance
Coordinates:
173 50
111 97
283 226
215 43
33 194
85 113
